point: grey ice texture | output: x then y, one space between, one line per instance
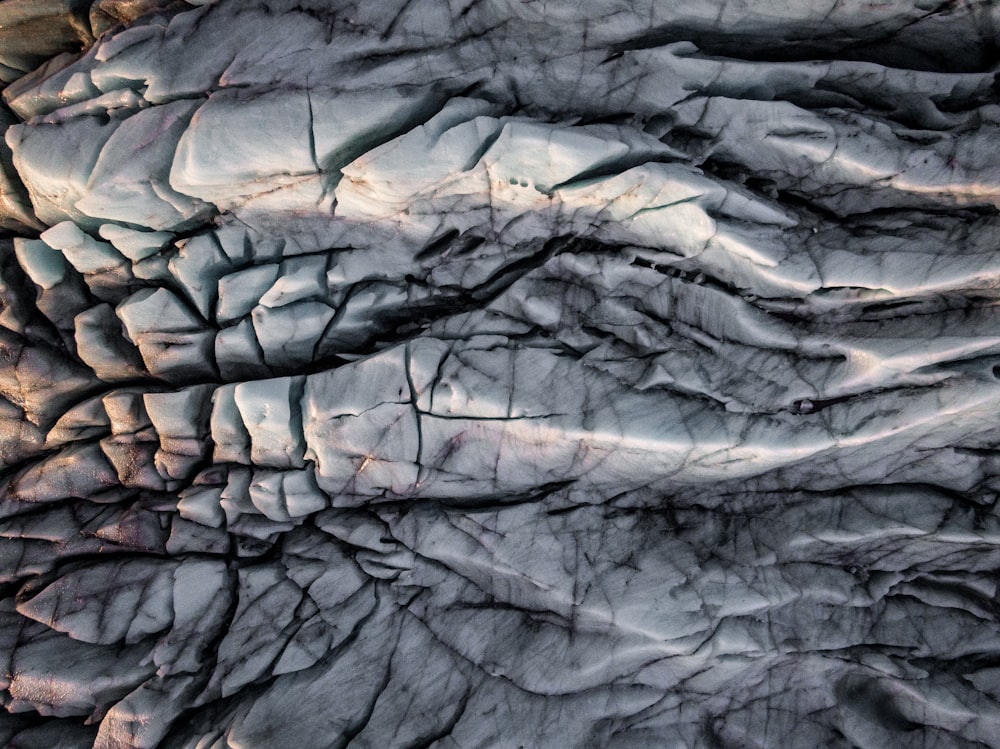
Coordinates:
499 373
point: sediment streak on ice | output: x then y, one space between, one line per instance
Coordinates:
511 374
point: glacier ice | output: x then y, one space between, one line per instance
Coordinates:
494 373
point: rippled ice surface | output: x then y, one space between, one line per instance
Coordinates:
499 374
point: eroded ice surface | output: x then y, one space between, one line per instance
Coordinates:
499 374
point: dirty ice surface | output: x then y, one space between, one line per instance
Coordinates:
487 373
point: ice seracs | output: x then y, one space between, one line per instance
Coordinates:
498 374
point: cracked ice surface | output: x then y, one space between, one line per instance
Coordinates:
499 374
